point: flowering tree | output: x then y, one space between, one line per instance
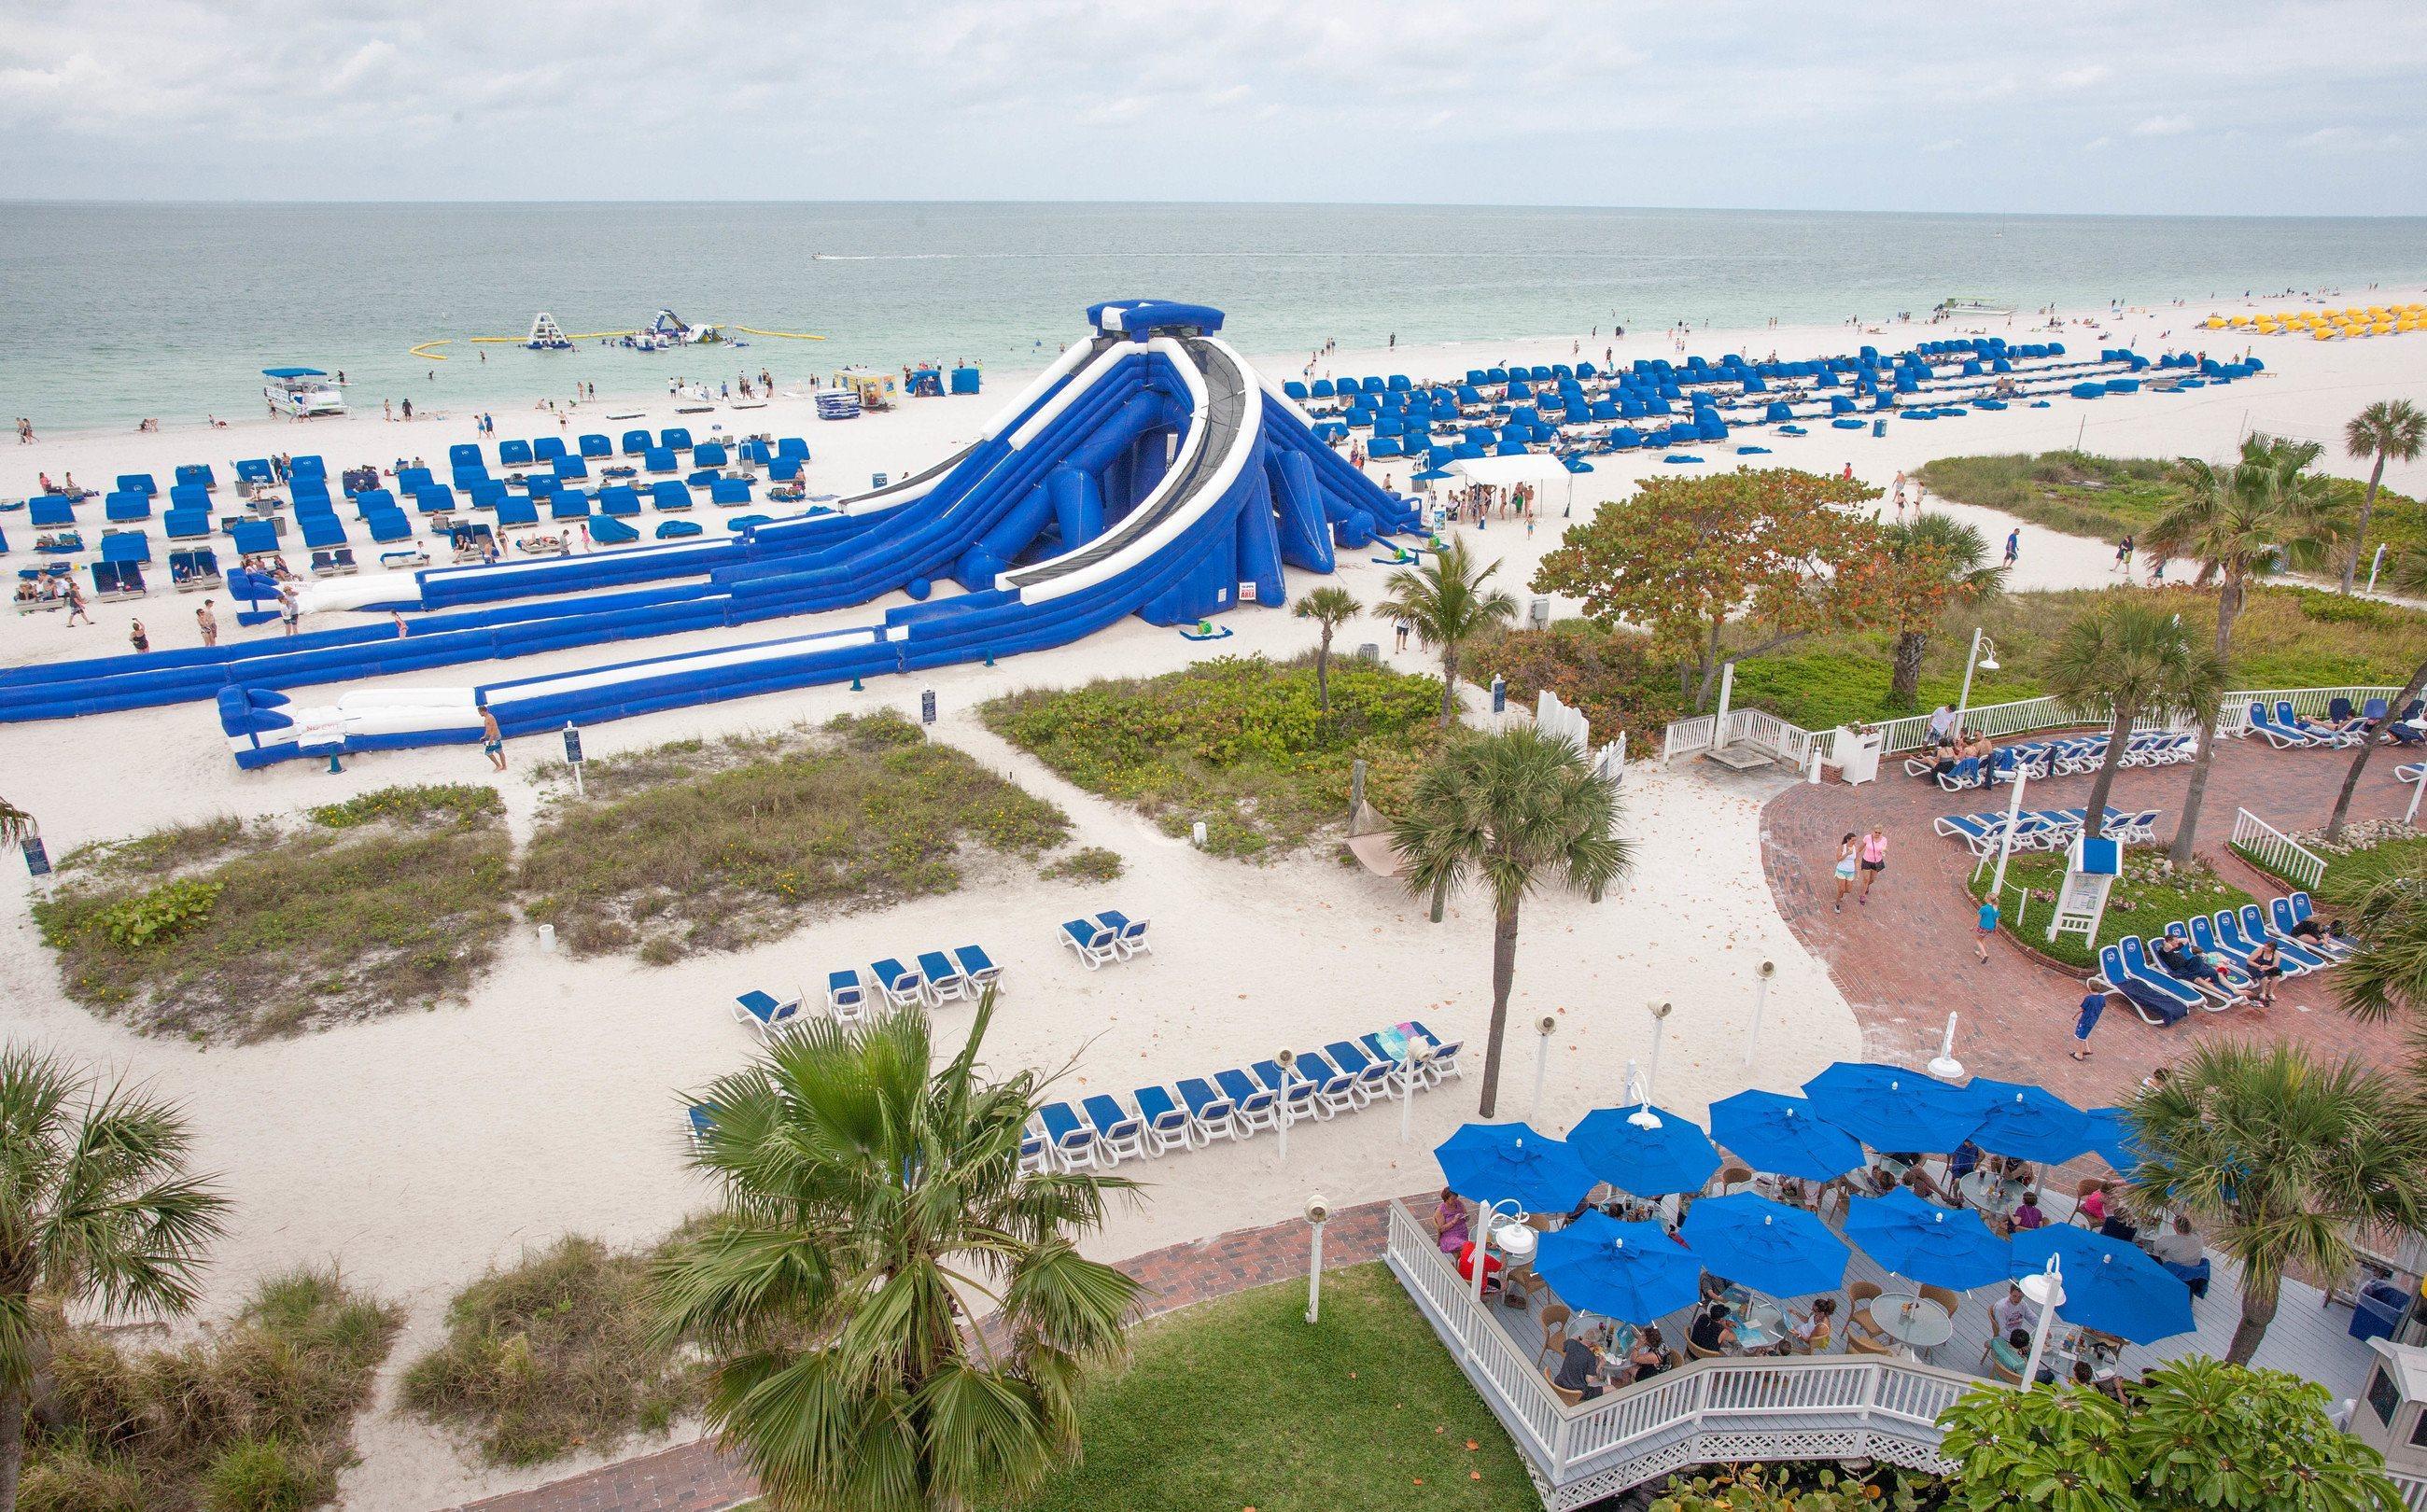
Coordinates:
1686 555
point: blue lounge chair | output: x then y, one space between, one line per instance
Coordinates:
944 979
1169 1126
700 1120
2225 925
2281 918
978 967
1098 946
1254 1107
901 987
1373 1078
2201 931
2323 734
766 1012
1335 1091
846 997
1980 833
1443 1063
2279 736
1130 933
1034 1158
1296 1092
2159 998
1120 1134
2250 922
1209 1114
1073 1141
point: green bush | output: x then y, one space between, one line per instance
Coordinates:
1089 862
2144 900
457 805
1237 743
158 915
554 1354
69 1474
265 1475
160 852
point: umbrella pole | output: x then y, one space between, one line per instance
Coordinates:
2047 1289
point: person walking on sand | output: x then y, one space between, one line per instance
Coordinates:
137 637
493 740
1874 855
290 607
1849 863
1402 629
2014 545
2092 1005
2124 557
208 623
1984 927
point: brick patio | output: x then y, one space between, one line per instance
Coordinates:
1905 960
698 1477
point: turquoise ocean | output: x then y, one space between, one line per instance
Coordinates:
114 312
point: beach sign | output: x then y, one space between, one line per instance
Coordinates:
38 859
2089 875
927 706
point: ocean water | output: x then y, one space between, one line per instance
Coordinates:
115 312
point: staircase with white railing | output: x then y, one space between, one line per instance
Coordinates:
2274 851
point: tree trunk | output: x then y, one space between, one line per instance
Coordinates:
1905 687
1323 673
1440 897
1709 667
2359 759
2229 608
2359 537
12 1446
1504 974
2118 739
2257 1311
1449 684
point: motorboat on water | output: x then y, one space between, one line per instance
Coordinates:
303 392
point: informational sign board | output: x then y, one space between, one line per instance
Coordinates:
572 746
927 706
2089 875
38 859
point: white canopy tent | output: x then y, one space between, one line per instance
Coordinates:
1506 472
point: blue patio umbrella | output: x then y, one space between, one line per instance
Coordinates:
1676 1156
1433 475
2108 1284
1892 1109
1495 1162
2026 1122
1633 1272
1771 1131
2114 1139
1939 1246
1767 1245
1577 464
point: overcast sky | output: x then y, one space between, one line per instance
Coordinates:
2155 105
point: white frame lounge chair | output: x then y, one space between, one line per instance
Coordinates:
944 979
1374 1076
1097 946
1073 1140
1297 1091
978 967
1210 1113
1119 1133
1169 1126
846 995
903 987
1335 1091
1253 1105
1129 935
1036 1156
1442 1064
766 1013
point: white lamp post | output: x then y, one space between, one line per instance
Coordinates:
2006 841
1643 1117
1760 996
1318 1212
1486 1214
1544 1028
1987 664
1284 1058
2046 1289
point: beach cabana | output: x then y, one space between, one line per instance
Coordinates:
573 504
636 443
617 500
595 444
547 448
49 511
135 506
669 495
465 454
517 453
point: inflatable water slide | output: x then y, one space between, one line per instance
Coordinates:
1149 471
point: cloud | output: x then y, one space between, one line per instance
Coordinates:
1944 144
2163 126
2083 77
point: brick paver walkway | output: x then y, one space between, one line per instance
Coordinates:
699 1477
1905 960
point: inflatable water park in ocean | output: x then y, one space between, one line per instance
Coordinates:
1149 472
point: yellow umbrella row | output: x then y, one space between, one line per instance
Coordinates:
2327 325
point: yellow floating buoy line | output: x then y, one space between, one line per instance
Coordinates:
787 336
424 352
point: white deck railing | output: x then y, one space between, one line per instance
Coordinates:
2276 850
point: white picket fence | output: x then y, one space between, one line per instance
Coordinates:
2276 850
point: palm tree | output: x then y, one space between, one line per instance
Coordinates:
865 1204
2388 430
2280 1159
2240 523
2411 574
2137 658
15 823
2389 975
1329 607
1446 602
97 1210
1940 562
1513 810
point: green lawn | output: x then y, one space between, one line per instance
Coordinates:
1238 1403
2145 900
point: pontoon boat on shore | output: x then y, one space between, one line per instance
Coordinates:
302 391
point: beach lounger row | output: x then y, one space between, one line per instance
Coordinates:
2057 757
1105 938
1100 1131
2046 829
939 978
2285 730
2226 940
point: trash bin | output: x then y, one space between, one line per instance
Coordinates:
1879 428
2378 1309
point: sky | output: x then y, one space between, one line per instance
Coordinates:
2156 107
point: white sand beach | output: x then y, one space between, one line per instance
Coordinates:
416 1150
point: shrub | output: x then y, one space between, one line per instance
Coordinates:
1810 1487
69 1474
554 1354
161 852
159 916
1089 862
265 1475
454 805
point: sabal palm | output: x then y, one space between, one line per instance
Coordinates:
1330 607
15 823
1511 811
2138 658
1953 553
2388 430
2280 1160
97 1210
1446 601
2387 977
2409 574
868 1208
2240 523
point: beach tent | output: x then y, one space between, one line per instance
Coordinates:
635 443
464 454
49 511
197 473
573 504
514 453
595 444
618 500
253 538
547 448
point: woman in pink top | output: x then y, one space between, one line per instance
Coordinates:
1874 860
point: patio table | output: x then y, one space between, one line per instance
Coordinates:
1912 1320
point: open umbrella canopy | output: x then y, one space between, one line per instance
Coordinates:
1496 1163
1633 1272
2026 1122
1939 1246
1771 1131
1434 475
1676 1156
2108 1284
2114 1139
1893 1109
1767 1245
